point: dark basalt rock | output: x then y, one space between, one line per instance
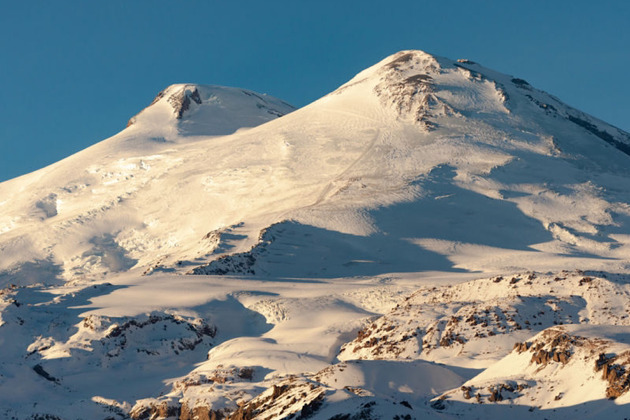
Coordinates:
405 58
521 83
182 100
604 135
495 395
41 372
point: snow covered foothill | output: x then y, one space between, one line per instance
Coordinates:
366 256
475 323
378 389
566 371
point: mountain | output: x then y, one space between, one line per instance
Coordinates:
432 239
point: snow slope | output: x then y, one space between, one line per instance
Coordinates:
360 256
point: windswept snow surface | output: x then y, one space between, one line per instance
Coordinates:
367 255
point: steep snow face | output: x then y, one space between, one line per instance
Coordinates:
449 166
418 163
65 221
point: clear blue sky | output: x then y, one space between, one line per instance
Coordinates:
73 72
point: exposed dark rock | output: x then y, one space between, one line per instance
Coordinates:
507 387
229 264
495 394
615 372
602 361
604 135
162 409
521 83
521 347
438 404
403 59
418 79
41 372
585 280
344 416
299 400
311 407
201 412
544 106
182 100
449 338
240 263
412 96
246 373
406 404
278 390
541 357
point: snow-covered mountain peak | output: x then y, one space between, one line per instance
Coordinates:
420 88
417 60
431 92
436 210
415 137
209 110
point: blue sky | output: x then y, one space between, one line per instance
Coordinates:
74 72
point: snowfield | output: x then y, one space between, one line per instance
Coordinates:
431 240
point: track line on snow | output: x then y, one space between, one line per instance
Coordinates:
331 183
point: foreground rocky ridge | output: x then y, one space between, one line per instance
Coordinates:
478 323
564 366
452 319
531 341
